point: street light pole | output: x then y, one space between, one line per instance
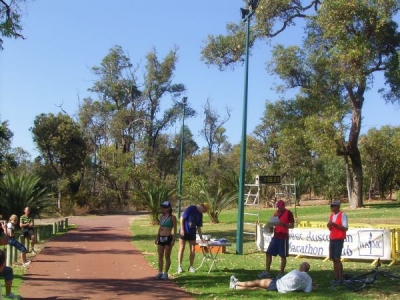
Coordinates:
181 158
246 15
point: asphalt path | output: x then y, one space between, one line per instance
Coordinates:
97 260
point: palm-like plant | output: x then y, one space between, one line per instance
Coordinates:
16 193
217 197
151 196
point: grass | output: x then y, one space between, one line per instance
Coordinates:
246 267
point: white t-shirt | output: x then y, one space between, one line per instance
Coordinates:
294 281
10 226
345 223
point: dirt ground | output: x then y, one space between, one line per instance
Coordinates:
95 261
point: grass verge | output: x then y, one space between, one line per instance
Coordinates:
246 267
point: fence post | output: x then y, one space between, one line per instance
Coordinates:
38 233
14 254
8 256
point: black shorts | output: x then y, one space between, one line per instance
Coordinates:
335 249
188 237
164 240
28 233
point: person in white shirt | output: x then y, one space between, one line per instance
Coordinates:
294 281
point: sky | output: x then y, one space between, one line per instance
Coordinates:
51 68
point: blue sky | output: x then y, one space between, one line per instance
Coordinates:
64 39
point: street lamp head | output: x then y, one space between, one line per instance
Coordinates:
252 4
245 12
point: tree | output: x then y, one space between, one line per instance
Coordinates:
151 195
10 19
381 152
7 158
216 196
213 130
158 83
18 192
346 42
61 143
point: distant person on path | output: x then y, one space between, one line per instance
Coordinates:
338 225
191 219
27 223
279 244
165 239
13 220
294 281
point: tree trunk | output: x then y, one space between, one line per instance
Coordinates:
349 179
356 191
357 100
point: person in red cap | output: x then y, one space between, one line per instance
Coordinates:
279 244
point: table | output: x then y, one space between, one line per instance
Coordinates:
210 252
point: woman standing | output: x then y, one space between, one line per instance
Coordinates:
165 239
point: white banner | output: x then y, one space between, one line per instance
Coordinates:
360 243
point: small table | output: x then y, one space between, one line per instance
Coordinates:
210 252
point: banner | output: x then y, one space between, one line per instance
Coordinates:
360 243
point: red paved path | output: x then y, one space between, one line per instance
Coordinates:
95 261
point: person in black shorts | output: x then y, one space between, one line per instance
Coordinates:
190 221
165 239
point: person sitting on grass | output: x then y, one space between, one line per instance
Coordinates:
13 220
296 280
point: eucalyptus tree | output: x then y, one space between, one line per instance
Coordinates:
61 145
126 119
7 158
352 40
381 151
113 123
159 89
213 130
10 19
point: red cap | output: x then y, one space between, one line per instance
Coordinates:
280 204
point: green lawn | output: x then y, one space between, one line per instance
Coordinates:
246 267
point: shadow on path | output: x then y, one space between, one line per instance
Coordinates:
95 261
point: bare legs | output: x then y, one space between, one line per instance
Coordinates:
164 251
338 269
182 244
269 261
251 285
283 264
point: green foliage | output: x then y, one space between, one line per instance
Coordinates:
344 44
151 195
18 192
216 196
7 159
60 142
10 20
381 152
